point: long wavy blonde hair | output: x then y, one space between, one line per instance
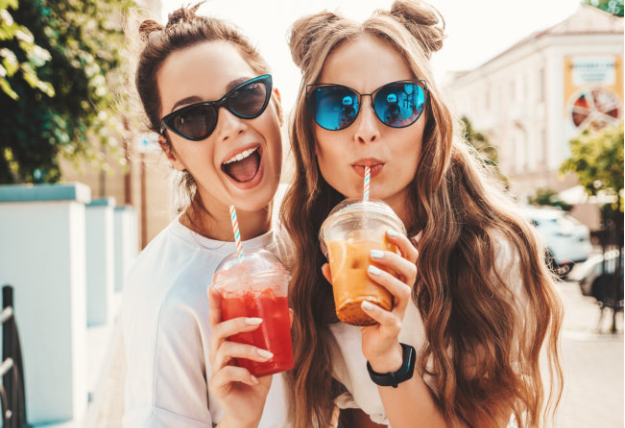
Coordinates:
484 334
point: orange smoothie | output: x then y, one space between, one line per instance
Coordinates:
348 262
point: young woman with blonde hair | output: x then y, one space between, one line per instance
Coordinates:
476 301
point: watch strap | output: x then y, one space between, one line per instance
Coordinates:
404 373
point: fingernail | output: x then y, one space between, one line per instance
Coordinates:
377 254
367 306
254 379
253 321
373 270
392 233
264 354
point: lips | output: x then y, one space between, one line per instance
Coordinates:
376 166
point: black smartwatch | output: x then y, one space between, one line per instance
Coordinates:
404 373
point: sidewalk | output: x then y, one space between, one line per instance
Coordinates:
592 363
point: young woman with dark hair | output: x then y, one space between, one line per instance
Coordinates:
208 94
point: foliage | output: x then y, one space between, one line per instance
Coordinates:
615 7
35 55
548 197
71 110
597 159
482 146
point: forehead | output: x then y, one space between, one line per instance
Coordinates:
365 63
203 70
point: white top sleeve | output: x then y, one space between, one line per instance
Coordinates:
167 336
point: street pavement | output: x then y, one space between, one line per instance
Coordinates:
592 360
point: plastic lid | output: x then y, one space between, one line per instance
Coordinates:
255 262
350 208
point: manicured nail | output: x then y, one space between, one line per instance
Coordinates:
392 233
377 254
253 321
374 270
264 354
254 379
367 306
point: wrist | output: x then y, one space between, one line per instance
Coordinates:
389 362
394 378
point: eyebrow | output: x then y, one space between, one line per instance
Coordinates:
195 99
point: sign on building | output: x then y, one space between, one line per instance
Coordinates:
593 87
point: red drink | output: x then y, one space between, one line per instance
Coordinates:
274 333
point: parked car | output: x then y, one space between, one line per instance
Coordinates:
567 240
588 273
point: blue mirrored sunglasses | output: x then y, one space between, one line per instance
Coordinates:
397 104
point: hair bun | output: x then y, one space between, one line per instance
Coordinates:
421 19
304 33
148 26
183 14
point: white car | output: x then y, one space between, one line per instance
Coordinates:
567 239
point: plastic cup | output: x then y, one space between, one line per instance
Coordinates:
257 287
354 228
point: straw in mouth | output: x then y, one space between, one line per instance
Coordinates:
366 184
235 230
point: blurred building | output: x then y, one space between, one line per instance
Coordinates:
533 98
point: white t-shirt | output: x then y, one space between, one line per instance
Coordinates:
167 336
350 366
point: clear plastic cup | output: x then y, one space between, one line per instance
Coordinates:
354 228
257 287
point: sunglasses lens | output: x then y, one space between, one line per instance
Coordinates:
334 107
249 100
399 104
196 121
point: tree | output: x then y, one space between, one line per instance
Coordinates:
615 7
549 197
482 146
70 110
597 159
35 55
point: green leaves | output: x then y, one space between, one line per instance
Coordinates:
597 160
615 7
61 84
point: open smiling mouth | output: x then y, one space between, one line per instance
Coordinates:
243 167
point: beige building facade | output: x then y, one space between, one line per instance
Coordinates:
533 98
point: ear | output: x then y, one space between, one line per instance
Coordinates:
167 148
278 106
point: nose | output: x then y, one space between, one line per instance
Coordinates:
367 125
228 125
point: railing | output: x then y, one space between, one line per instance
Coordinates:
12 396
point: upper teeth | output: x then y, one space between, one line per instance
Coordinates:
241 156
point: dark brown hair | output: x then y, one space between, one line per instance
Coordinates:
184 29
484 329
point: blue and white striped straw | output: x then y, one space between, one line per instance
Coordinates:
235 229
